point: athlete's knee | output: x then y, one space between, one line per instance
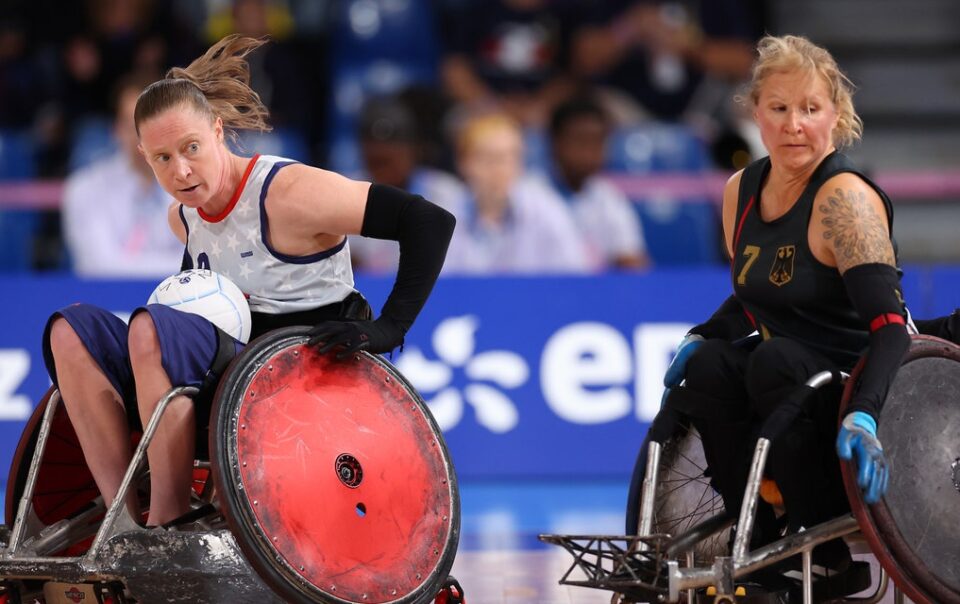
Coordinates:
142 339
715 365
65 344
772 365
772 354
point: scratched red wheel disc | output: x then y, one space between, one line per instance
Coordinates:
334 477
64 483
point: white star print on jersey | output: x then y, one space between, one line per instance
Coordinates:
275 283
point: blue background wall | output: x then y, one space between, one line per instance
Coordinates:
529 377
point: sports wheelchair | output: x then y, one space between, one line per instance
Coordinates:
328 481
683 542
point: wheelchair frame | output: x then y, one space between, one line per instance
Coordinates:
208 565
122 550
648 565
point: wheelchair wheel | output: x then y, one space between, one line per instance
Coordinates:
64 486
684 497
913 530
333 475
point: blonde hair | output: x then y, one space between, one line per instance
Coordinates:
475 128
216 84
780 54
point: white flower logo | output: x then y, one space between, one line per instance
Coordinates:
454 343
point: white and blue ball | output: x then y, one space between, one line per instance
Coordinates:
210 295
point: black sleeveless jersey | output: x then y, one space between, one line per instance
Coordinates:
784 289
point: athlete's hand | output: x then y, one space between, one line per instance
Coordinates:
858 434
347 337
678 366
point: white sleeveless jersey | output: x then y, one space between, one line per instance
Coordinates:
234 244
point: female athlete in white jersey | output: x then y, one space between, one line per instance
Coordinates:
275 227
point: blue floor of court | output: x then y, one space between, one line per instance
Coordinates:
508 515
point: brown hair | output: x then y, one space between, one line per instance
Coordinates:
217 85
796 53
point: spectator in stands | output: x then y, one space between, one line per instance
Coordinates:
111 38
507 54
20 82
608 222
675 60
114 212
514 222
278 71
389 143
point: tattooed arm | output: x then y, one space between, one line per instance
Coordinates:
854 230
849 225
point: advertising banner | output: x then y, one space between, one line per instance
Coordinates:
528 377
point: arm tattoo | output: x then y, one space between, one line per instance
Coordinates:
857 232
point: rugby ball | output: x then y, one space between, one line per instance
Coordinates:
210 295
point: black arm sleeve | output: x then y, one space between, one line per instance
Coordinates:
423 231
729 322
947 327
874 290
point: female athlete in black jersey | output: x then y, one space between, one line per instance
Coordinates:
814 271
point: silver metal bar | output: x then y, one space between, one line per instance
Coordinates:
897 595
53 569
118 518
823 378
748 510
26 500
63 533
807 576
691 593
694 578
648 492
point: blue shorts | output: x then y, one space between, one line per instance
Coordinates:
188 349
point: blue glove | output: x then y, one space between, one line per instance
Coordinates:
858 433
678 366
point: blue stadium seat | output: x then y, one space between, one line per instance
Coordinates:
18 227
656 147
685 232
284 142
366 31
91 140
18 230
18 159
344 155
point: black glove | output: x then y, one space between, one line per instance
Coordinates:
382 335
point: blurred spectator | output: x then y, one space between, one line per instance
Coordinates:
669 59
280 72
81 49
116 37
507 54
20 86
114 212
516 223
611 227
389 143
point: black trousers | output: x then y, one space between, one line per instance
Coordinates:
738 388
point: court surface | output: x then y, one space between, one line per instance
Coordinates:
500 560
